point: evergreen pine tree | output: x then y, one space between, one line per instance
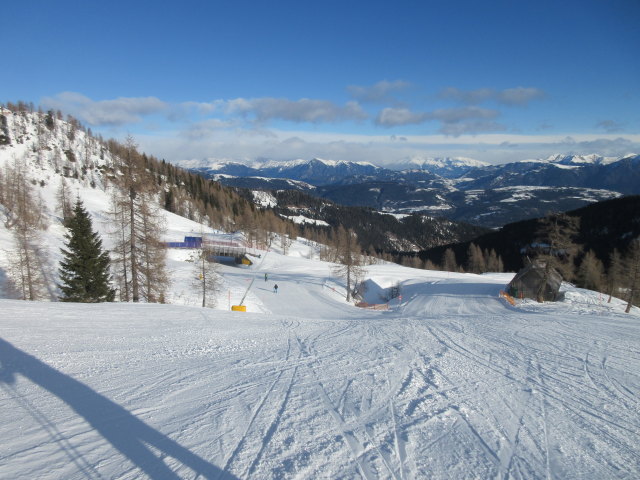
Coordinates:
84 271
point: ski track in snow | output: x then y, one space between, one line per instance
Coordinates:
453 383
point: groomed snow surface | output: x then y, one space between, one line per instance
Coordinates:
450 382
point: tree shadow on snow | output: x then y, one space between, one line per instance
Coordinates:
127 433
7 287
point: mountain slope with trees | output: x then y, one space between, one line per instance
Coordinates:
44 155
604 244
379 233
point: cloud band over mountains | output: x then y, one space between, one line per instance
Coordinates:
464 122
119 111
469 118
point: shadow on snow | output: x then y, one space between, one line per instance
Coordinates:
127 433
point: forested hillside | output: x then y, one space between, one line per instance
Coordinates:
378 233
31 136
606 240
48 162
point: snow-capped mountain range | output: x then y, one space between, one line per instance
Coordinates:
448 167
315 172
321 171
460 188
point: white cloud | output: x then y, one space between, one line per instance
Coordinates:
467 120
454 121
202 108
377 93
120 111
471 127
207 128
123 111
518 96
468 97
455 115
299 111
610 126
393 117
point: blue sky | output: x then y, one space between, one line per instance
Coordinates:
366 81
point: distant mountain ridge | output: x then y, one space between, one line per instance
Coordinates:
620 174
458 188
314 172
447 167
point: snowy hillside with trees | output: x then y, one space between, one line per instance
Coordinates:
450 382
447 380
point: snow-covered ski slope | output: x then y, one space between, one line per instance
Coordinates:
451 382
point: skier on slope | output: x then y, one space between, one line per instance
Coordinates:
275 288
